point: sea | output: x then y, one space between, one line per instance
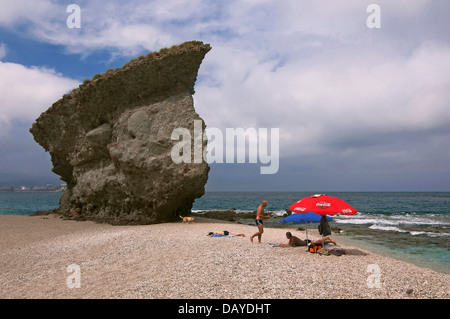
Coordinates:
411 226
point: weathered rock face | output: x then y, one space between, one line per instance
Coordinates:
110 140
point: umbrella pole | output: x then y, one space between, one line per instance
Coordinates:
307 244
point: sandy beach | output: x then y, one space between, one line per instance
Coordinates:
46 257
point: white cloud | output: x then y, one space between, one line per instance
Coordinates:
143 25
324 17
27 92
20 11
126 40
330 98
122 29
270 60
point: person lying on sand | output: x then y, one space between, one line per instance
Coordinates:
225 233
295 241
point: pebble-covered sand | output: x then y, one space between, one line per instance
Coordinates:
47 257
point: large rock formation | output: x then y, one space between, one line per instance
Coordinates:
110 140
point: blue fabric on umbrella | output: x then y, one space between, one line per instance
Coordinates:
297 218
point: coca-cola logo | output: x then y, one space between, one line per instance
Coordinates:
299 209
346 210
323 205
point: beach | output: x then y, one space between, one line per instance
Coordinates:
48 257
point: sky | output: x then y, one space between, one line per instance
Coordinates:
360 95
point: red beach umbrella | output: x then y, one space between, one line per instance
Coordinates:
322 205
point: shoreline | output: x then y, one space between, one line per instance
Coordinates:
175 260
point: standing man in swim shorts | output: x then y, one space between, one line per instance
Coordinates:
259 221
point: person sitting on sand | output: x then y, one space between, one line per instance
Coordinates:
295 241
225 233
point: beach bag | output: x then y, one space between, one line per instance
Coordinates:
314 248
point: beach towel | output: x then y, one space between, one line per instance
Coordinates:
220 235
342 251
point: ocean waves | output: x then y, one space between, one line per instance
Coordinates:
416 224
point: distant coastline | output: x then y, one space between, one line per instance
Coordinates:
31 191
25 189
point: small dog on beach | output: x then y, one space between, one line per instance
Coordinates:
187 219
